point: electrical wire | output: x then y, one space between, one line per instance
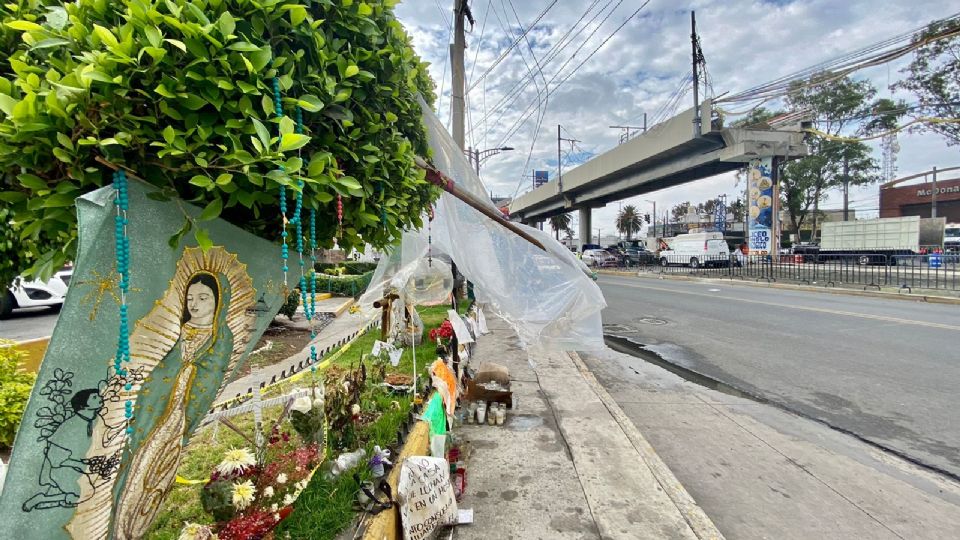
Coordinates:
923 120
510 48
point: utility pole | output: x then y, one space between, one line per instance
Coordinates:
933 196
846 189
476 160
458 72
559 164
696 74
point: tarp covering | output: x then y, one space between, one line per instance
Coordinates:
546 296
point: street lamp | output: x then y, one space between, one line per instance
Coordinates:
477 156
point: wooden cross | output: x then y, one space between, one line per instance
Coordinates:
384 304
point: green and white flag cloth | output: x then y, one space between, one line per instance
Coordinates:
76 470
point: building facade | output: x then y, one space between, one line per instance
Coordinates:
917 200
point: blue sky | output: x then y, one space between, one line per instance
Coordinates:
745 42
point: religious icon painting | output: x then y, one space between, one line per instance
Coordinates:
98 450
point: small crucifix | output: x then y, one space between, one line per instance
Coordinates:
385 304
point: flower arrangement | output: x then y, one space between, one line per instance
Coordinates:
248 499
442 334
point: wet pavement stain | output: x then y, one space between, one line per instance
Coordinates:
508 495
524 422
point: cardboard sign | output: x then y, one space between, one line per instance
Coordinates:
426 497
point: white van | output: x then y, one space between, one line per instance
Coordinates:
695 250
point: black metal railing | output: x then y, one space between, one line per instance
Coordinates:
908 272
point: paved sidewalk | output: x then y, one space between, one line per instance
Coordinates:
563 466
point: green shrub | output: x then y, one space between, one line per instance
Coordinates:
180 91
344 286
290 306
15 386
349 267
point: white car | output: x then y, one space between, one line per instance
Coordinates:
28 294
598 257
696 250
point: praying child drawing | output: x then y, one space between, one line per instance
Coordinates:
181 353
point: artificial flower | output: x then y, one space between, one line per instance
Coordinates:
282 478
302 405
268 491
288 499
235 460
274 507
276 517
243 494
195 531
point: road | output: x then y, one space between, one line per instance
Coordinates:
25 324
883 370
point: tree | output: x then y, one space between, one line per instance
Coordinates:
559 224
629 221
841 107
934 77
756 117
181 92
679 212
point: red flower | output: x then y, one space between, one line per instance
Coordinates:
253 526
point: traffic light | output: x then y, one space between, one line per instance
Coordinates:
646 218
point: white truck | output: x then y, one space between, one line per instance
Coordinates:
695 250
951 238
875 241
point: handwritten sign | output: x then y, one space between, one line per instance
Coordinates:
426 496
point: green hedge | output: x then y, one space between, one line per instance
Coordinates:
344 286
352 267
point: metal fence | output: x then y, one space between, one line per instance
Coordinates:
906 272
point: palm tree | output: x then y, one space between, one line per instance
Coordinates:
560 223
629 221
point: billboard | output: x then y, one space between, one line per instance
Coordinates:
540 178
761 199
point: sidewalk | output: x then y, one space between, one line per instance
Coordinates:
564 466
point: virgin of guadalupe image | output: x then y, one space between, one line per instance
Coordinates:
181 354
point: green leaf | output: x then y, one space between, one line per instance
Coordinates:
57 200
364 9
224 179
62 155
351 70
201 181
243 46
212 210
32 181
105 35
174 240
169 134
203 239
227 24
262 132
297 14
391 118
310 103
292 141
162 90
177 43
24 26
287 125
7 104
12 197
323 197
349 182
260 58
153 36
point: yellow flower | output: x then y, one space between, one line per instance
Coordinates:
236 459
195 531
243 494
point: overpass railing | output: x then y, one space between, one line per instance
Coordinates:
903 272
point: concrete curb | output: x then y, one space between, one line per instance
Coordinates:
794 287
701 524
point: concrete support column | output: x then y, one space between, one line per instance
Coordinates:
586 226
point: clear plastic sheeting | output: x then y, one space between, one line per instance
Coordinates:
546 296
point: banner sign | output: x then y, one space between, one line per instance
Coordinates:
98 450
761 205
540 178
426 496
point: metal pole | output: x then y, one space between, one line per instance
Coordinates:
644 122
933 196
476 159
696 75
559 165
846 189
458 73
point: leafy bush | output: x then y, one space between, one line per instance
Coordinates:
349 267
15 386
290 306
344 286
180 91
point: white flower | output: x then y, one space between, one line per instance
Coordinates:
195 531
268 491
282 478
355 409
318 402
243 494
288 499
302 405
235 459
276 517
274 507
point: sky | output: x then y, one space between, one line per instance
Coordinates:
745 42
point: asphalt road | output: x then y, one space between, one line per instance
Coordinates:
884 370
32 323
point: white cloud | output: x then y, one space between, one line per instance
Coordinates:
745 42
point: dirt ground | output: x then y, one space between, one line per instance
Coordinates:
277 343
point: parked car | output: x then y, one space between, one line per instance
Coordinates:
639 257
695 250
599 257
27 294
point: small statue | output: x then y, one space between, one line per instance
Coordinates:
378 460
